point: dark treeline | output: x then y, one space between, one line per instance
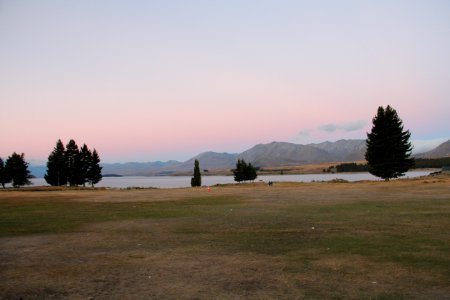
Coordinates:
432 163
421 163
352 167
347 167
73 166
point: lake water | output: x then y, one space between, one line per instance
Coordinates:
185 181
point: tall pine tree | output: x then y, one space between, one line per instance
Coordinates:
388 147
85 163
95 170
56 166
196 180
72 159
17 169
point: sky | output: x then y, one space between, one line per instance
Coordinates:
160 80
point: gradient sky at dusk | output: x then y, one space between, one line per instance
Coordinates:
160 80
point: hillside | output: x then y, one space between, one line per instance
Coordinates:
344 150
136 168
284 154
443 150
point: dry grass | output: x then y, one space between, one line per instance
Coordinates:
371 240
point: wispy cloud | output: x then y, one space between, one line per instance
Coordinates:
304 133
331 131
349 126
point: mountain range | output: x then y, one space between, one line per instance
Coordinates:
262 155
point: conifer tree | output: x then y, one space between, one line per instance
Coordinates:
56 166
238 172
196 180
85 163
4 178
72 159
17 169
95 170
388 147
251 172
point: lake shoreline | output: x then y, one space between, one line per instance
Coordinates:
163 182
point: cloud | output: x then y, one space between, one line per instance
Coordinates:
330 132
349 126
328 127
303 136
304 133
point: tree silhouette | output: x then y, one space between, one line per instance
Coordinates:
95 170
56 166
85 163
244 171
72 159
196 180
17 169
388 147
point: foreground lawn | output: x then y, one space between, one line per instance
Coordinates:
320 240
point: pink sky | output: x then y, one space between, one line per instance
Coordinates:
145 81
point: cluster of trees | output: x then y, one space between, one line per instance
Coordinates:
73 166
14 170
244 171
388 152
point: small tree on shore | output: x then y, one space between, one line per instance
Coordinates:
196 180
244 171
388 147
17 170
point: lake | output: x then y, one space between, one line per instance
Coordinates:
185 181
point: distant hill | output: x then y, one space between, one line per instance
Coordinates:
136 168
344 150
37 171
212 160
443 150
208 160
284 154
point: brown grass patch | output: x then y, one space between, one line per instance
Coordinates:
206 256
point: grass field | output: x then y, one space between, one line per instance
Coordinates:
363 240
